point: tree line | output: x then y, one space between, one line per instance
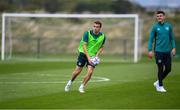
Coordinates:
70 6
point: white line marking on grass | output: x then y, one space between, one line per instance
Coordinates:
100 79
94 79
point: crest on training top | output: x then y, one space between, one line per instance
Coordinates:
167 28
159 61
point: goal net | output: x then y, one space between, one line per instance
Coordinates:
57 36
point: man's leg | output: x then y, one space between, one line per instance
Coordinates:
167 70
90 70
75 73
160 74
160 64
167 62
81 61
159 84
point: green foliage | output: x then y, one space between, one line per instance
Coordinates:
124 6
75 6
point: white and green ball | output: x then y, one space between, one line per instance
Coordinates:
95 60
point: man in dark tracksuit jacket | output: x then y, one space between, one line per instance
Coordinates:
164 47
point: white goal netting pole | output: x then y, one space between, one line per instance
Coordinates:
135 16
136 39
3 38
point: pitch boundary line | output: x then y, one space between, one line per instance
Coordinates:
97 79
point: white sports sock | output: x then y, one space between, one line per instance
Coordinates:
69 82
82 86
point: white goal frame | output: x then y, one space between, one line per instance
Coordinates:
135 16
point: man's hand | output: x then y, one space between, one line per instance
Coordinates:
89 60
150 54
173 51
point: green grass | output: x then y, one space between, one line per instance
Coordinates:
40 85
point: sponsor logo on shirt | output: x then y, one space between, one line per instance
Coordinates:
159 61
79 63
167 28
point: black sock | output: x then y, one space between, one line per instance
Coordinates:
160 74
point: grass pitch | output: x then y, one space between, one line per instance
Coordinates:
40 85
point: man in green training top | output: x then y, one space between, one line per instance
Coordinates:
164 47
91 45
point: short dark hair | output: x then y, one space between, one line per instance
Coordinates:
98 22
160 12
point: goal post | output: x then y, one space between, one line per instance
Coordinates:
31 15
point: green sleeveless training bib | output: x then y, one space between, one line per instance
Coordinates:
93 44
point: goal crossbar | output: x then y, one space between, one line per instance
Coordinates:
39 15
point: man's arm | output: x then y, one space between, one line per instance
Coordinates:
86 52
100 51
150 42
172 41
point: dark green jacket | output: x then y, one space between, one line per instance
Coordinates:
162 36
